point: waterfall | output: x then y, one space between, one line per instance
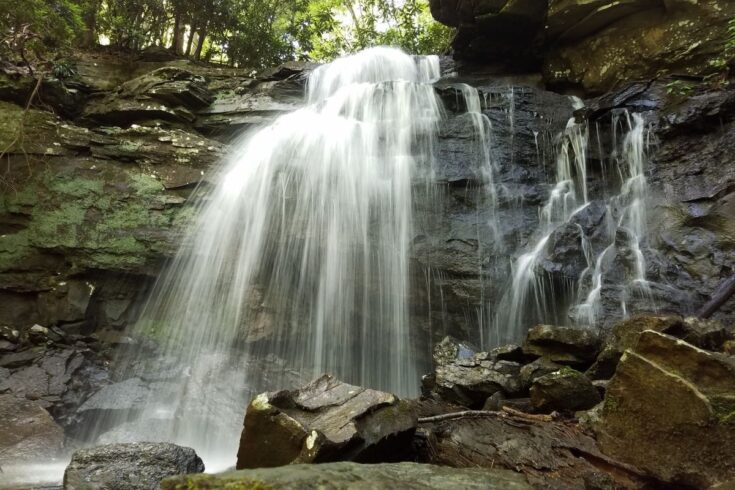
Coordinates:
531 297
630 208
298 262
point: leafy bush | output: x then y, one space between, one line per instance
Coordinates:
63 70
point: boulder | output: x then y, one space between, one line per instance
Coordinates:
9 334
533 370
510 352
624 335
38 334
27 432
468 378
705 334
562 257
565 389
326 420
494 402
669 410
565 345
349 476
139 466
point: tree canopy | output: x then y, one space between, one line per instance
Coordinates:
246 33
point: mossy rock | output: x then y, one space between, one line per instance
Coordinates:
668 410
346 476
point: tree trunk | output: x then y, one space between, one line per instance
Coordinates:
192 33
200 44
177 45
177 33
723 292
90 21
356 22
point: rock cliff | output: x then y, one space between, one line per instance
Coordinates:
590 44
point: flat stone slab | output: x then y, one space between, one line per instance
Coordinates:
326 420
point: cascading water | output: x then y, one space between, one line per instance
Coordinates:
299 257
629 207
530 297
299 260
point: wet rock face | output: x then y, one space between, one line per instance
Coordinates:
85 231
166 94
140 466
326 420
347 476
27 432
693 175
590 44
461 262
669 410
57 375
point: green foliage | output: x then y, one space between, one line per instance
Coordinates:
63 70
406 24
726 57
245 33
31 28
680 88
133 24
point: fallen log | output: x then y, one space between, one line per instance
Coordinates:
723 293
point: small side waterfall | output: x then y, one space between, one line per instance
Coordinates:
531 298
528 298
626 214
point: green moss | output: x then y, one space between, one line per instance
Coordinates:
146 185
57 228
37 126
214 482
78 187
108 217
723 407
10 116
611 405
13 249
16 201
566 370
